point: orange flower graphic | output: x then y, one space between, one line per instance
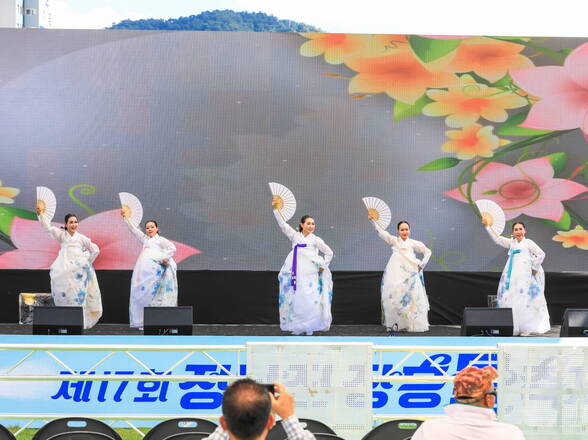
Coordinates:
467 101
489 58
7 194
474 140
334 47
400 75
575 237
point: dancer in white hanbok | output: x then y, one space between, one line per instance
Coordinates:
73 279
306 284
404 300
522 283
154 282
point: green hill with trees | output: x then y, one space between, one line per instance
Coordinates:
226 20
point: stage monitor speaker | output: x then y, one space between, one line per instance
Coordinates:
167 321
574 323
58 320
484 321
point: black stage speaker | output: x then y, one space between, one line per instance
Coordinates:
168 321
58 320
484 321
574 323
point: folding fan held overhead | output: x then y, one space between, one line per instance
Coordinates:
46 202
493 213
285 200
378 210
132 208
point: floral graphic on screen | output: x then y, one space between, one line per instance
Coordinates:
489 58
527 188
576 237
562 93
471 141
468 101
399 75
496 101
7 194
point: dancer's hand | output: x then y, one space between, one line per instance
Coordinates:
38 210
275 202
486 220
371 215
165 262
321 269
533 272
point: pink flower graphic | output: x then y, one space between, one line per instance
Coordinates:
119 249
527 188
563 93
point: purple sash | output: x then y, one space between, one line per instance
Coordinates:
294 264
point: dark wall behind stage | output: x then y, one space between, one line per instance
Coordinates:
250 297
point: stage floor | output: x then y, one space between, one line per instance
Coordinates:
262 330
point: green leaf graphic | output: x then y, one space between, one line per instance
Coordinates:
440 164
431 49
402 110
558 161
7 214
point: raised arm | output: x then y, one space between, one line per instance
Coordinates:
325 249
54 232
384 235
135 230
500 241
422 249
537 254
285 227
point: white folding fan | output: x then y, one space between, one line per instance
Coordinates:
46 202
379 211
494 213
132 208
286 202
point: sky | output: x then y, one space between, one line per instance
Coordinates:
564 18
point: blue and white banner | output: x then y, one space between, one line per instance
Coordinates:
204 397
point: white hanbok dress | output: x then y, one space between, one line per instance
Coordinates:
152 283
519 289
73 279
305 293
404 299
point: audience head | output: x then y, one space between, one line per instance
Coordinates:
473 385
247 410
